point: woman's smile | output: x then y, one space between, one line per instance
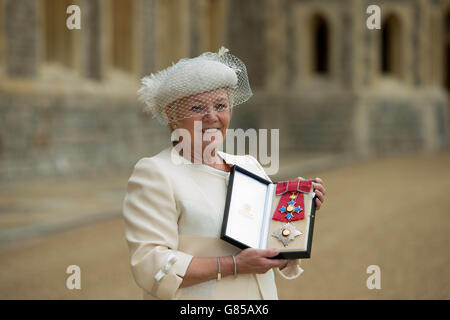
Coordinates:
210 130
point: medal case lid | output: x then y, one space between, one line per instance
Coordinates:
247 221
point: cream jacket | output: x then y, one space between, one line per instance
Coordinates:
173 212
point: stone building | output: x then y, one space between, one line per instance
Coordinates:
68 97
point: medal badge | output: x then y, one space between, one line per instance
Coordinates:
290 208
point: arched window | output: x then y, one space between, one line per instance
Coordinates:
58 39
447 51
2 42
122 34
391 47
321 45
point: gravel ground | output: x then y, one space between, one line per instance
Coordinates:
392 212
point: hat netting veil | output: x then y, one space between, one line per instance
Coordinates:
211 82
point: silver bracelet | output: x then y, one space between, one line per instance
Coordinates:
219 275
235 265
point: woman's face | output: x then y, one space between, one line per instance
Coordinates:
212 112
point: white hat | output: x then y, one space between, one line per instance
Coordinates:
207 72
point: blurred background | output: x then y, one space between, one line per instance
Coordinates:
365 110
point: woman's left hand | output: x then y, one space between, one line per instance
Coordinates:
319 190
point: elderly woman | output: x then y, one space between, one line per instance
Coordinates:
175 200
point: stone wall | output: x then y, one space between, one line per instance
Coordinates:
20 51
65 136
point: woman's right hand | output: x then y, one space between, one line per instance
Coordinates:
256 260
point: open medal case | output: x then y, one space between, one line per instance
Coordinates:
262 214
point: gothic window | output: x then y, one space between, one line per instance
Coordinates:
391 47
2 37
447 51
321 45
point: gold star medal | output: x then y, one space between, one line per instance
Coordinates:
286 233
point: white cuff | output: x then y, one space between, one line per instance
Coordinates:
166 268
292 270
170 275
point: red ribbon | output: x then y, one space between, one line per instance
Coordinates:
285 189
293 185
